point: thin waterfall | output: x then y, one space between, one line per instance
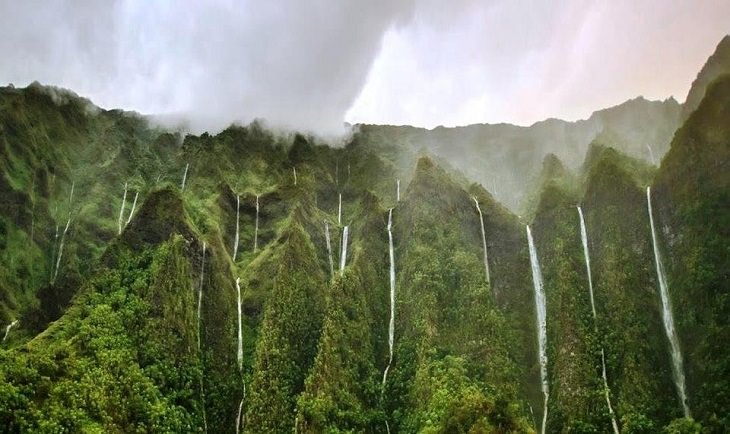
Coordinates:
343 256
240 326
134 205
295 175
238 215
200 290
329 247
337 173
651 155
484 242
200 305
606 389
391 324
256 228
8 328
677 362
339 210
185 177
71 195
53 255
238 418
397 190
121 211
60 249
541 323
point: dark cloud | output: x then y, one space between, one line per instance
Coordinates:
312 64
296 64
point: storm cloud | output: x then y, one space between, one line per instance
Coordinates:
312 65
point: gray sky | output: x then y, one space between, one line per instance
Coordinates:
314 64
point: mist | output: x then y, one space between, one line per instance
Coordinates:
313 66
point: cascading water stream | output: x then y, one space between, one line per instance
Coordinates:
339 209
295 175
484 242
586 254
200 305
541 324
121 211
391 324
60 248
53 255
651 155
185 177
134 205
8 328
329 247
235 239
240 412
397 190
200 290
239 355
343 255
668 319
256 228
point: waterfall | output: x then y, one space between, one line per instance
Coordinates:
541 323
134 205
337 173
295 175
339 210
343 256
238 418
677 363
121 211
235 239
651 155
256 229
200 291
71 195
606 389
7 329
329 246
484 242
53 255
185 177
60 249
240 327
391 325
397 190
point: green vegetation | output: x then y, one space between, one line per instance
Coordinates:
111 343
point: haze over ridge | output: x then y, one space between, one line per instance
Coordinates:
405 62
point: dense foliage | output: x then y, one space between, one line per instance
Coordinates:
128 315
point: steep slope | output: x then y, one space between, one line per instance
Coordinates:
129 338
716 65
626 293
451 341
692 196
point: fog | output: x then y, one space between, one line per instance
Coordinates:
314 65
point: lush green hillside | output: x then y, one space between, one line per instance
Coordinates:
128 321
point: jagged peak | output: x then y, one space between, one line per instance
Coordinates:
717 64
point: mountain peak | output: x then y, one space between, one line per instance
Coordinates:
717 64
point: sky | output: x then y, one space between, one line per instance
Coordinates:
314 65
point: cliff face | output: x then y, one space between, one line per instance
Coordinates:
717 64
139 328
